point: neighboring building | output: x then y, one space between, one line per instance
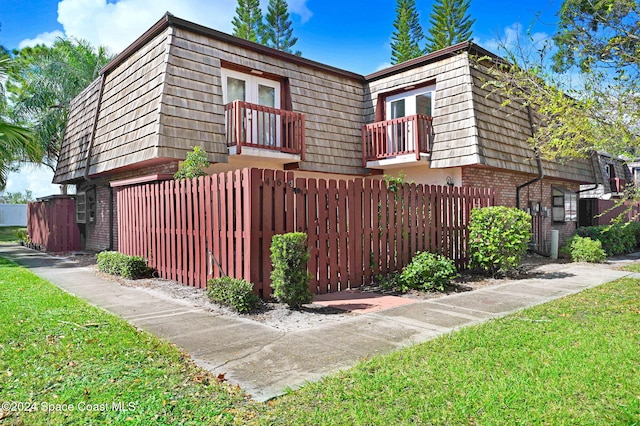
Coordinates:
181 85
597 201
612 177
634 168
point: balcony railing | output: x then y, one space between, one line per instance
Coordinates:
257 126
400 136
617 185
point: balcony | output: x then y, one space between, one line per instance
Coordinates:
617 185
400 141
259 131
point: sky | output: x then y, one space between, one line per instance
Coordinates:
352 35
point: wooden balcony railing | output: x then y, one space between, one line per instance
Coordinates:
406 135
263 127
617 185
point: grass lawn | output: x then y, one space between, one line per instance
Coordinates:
634 267
572 361
57 349
7 233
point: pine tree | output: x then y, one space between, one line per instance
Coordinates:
406 38
450 24
247 23
278 32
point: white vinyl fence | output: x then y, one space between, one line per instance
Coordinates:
13 215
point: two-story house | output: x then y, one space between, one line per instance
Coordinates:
182 85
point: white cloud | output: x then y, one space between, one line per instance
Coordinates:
299 7
116 25
36 179
383 66
514 38
46 38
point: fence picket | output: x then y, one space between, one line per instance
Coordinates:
229 232
323 237
312 219
356 229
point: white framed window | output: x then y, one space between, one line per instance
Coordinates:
564 205
411 102
259 127
400 134
86 206
249 88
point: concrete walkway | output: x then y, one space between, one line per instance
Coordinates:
265 361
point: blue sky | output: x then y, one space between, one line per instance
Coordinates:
353 35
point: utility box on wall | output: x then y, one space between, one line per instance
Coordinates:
51 224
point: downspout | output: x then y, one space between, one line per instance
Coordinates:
86 177
93 131
538 161
110 218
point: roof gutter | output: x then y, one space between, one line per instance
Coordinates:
538 160
169 20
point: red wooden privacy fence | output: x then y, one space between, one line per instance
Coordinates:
51 224
192 230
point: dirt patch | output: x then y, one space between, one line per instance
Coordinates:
80 258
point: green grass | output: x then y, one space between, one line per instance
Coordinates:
633 267
7 233
57 349
573 361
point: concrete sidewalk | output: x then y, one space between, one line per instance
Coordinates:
265 361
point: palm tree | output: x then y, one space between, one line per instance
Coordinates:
45 81
16 143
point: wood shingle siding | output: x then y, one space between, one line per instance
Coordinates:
453 122
332 106
164 95
504 132
77 133
127 130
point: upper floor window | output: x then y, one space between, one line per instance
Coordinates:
609 171
249 88
417 101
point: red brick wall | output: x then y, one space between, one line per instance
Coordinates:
505 183
97 233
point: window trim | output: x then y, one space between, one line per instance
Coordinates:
85 204
560 199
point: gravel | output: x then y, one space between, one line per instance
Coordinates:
279 316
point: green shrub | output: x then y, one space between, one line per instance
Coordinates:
634 228
115 263
289 278
233 292
616 239
498 238
584 249
109 262
428 272
133 267
194 165
21 235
